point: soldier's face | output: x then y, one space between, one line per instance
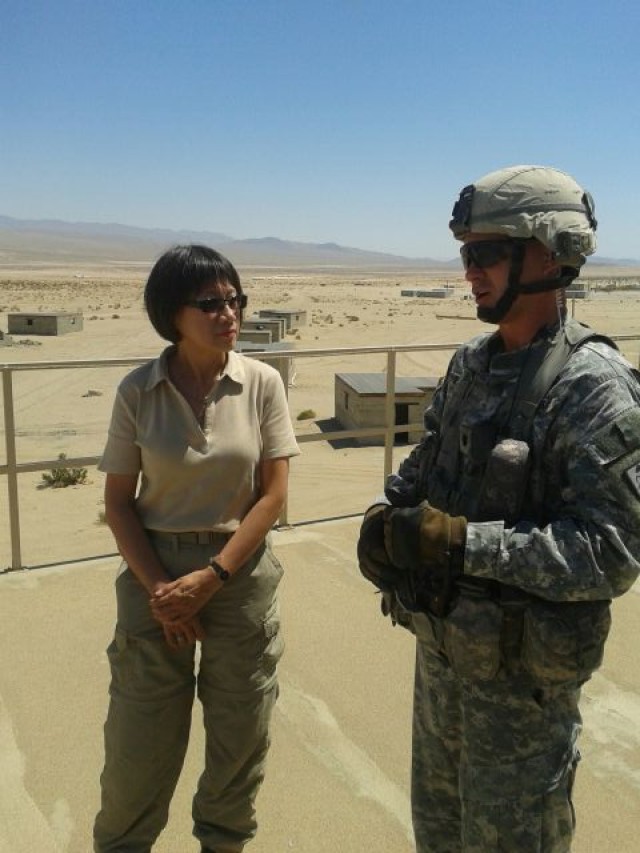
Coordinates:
488 280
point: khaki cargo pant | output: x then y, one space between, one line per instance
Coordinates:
152 691
493 761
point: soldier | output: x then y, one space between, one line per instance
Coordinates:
510 527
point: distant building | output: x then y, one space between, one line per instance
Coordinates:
255 335
293 317
45 324
5 340
360 402
284 364
276 325
578 289
433 293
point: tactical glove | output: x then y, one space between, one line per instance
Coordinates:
396 585
429 545
372 555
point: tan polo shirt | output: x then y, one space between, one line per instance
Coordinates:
193 477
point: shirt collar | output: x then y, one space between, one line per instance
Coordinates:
159 372
234 368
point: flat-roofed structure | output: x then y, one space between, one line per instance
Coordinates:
294 317
256 336
433 293
578 289
284 364
360 402
50 323
276 325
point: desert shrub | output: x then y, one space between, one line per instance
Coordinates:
61 476
306 414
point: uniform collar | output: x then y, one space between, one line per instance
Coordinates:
500 361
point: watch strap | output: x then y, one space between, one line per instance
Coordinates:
223 574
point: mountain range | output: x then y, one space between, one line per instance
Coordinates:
24 241
55 241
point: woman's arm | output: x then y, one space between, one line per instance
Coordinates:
136 550
131 538
274 476
184 597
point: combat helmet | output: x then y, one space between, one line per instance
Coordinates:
524 202
530 201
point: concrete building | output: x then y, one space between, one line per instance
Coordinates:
292 316
276 325
58 323
284 364
579 289
254 335
360 402
5 340
433 293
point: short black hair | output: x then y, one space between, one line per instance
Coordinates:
178 276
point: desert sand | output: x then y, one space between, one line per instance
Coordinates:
338 776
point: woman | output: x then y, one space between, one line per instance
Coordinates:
197 464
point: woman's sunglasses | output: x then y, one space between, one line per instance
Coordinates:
485 253
217 304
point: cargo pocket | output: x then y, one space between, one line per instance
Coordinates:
564 643
472 638
524 805
276 565
273 641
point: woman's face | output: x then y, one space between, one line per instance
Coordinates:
211 320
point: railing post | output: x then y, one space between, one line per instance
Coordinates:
283 518
389 413
12 472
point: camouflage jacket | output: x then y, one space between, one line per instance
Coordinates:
578 534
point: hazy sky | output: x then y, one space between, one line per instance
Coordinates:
350 121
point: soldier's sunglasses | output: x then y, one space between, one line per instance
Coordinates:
485 253
217 304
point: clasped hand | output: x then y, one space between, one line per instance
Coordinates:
182 634
180 600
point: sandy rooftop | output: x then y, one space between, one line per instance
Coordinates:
67 410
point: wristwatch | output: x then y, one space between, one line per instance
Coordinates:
223 574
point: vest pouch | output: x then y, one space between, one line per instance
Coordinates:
564 643
472 638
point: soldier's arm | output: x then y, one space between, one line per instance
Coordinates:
590 549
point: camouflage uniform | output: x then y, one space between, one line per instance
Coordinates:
498 679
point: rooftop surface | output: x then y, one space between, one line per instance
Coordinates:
376 383
338 775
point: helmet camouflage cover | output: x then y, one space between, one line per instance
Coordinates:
530 201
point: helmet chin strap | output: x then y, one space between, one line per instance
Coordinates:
514 288
512 291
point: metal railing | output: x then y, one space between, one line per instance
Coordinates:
12 469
